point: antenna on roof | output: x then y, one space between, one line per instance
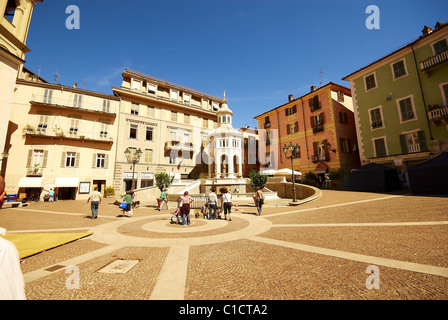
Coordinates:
56 76
84 83
320 77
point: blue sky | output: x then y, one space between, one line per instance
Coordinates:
258 51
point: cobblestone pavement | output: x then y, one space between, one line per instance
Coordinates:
319 250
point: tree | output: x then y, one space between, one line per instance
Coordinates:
257 179
163 180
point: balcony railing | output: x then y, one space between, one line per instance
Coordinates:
433 61
320 157
82 105
414 148
43 131
318 128
34 172
438 114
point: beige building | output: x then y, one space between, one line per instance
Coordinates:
61 137
15 17
168 122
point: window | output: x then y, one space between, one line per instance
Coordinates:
100 160
106 105
74 123
444 88
223 143
440 47
204 123
314 103
148 155
290 111
399 69
43 124
186 98
343 117
149 133
345 145
186 118
174 95
37 159
134 108
151 89
406 109
215 106
151 111
376 120
370 82
174 116
340 96
133 131
48 94
380 147
321 152
10 10
267 122
413 142
77 100
292 128
136 85
317 122
103 130
71 159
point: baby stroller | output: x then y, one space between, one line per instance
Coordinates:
176 217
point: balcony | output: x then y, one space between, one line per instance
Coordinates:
73 134
320 157
267 125
432 62
70 104
413 147
180 146
437 114
35 171
318 128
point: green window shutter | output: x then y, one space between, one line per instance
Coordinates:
422 141
404 143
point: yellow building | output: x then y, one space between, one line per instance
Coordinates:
168 122
15 17
60 137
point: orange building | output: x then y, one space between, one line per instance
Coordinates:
322 123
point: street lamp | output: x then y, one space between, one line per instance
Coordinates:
133 157
294 150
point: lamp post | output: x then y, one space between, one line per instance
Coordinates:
133 157
294 149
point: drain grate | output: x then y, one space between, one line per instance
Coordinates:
119 266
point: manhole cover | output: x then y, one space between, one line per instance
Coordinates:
119 266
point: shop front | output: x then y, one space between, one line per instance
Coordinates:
66 188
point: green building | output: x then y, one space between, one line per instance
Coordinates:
400 102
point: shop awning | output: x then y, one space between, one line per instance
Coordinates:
66 182
321 168
30 182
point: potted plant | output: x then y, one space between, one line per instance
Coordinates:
310 178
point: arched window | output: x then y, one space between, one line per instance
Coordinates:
10 10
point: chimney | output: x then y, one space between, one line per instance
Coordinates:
75 84
426 30
313 88
290 97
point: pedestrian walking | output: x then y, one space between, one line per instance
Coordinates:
186 201
259 200
164 198
95 198
227 203
128 199
212 204
51 195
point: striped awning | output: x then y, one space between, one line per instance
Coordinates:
30 182
66 182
